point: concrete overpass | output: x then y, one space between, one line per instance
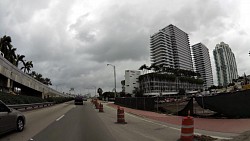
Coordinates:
13 80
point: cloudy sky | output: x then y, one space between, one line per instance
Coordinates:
71 41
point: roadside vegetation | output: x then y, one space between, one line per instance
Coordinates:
19 99
23 99
58 100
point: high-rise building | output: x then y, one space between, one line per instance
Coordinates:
170 48
131 81
226 67
202 63
161 49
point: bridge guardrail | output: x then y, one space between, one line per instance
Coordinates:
33 105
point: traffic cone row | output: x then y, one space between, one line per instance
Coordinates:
97 105
120 111
187 130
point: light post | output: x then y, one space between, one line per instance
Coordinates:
114 76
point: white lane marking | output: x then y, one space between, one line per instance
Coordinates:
60 118
226 138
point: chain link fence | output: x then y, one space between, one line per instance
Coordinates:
169 105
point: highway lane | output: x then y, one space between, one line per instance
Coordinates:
80 124
37 120
84 123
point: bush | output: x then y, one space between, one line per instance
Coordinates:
23 99
19 99
57 100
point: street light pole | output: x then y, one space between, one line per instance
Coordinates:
114 76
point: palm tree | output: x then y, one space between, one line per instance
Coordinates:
161 68
99 91
175 72
11 55
7 49
168 70
39 77
154 67
27 66
143 67
33 74
5 43
47 81
198 75
19 58
148 69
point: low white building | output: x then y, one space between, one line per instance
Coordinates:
131 81
168 84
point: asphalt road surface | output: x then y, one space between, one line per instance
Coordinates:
79 124
85 123
37 120
69 122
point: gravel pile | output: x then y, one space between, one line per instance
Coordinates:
243 137
203 138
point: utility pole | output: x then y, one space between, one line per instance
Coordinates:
114 76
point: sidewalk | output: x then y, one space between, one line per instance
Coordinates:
235 126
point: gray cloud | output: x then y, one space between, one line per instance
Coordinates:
72 41
117 36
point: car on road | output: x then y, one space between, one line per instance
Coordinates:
10 119
78 100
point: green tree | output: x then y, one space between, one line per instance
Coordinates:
47 81
5 42
33 74
108 95
143 68
212 87
27 66
11 55
155 67
7 49
137 92
19 58
39 77
99 91
122 94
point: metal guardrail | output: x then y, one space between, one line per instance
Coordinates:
33 105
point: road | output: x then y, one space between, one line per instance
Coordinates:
86 123
80 123
69 122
